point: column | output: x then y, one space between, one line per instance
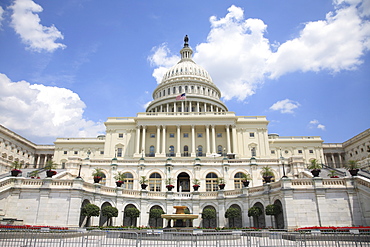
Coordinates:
158 140
205 107
193 141
174 107
213 139
333 159
228 139
164 140
235 146
182 106
143 139
197 106
178 149
207 140
137 139
211 108
190 110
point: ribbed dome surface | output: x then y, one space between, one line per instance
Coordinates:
187 68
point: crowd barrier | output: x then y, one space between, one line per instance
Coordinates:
189 238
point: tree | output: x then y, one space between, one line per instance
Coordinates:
154 215
109 212
255 212
132 213
90 210
209 214
232 213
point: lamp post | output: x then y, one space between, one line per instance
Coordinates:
282 162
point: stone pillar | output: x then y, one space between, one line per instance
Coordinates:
213 139
164 140
158 151
197 106
178 149
207 140
143 139
137 151
235 145
193 154
228 139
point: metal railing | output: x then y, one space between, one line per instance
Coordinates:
186 238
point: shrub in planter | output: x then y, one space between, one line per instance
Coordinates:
315 167
352 167
272 209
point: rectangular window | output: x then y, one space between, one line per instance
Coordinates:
101 152
219 134
120 135
272 151
65 152
75 152
251 134
299 151
186 135
119 152
152 135
172 135
311 151
200 135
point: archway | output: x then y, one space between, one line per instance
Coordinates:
103 219
127 221
84 220
237 221
209 221
154 220
259 222
183 180
279 218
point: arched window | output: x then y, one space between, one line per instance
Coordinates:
180 89
200 150
155 182
164 92
174 90
151 151
172 151
238 178
186 89
186 151
129 181
169 91
219 149
211 182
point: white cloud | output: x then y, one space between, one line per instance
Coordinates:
27 24
316 124
285 106
240 58
334 44
1 16
162 59
43 111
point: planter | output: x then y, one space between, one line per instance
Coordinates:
196 187
169 187
221 186
267 179
15 173
50 173
119 183
353 172
316 172
143 186
245 183
97 179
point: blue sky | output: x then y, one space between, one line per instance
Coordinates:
66 66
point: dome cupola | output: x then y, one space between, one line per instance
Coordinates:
186 87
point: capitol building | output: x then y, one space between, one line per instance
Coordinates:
186 136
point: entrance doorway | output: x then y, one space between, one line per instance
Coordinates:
183 180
